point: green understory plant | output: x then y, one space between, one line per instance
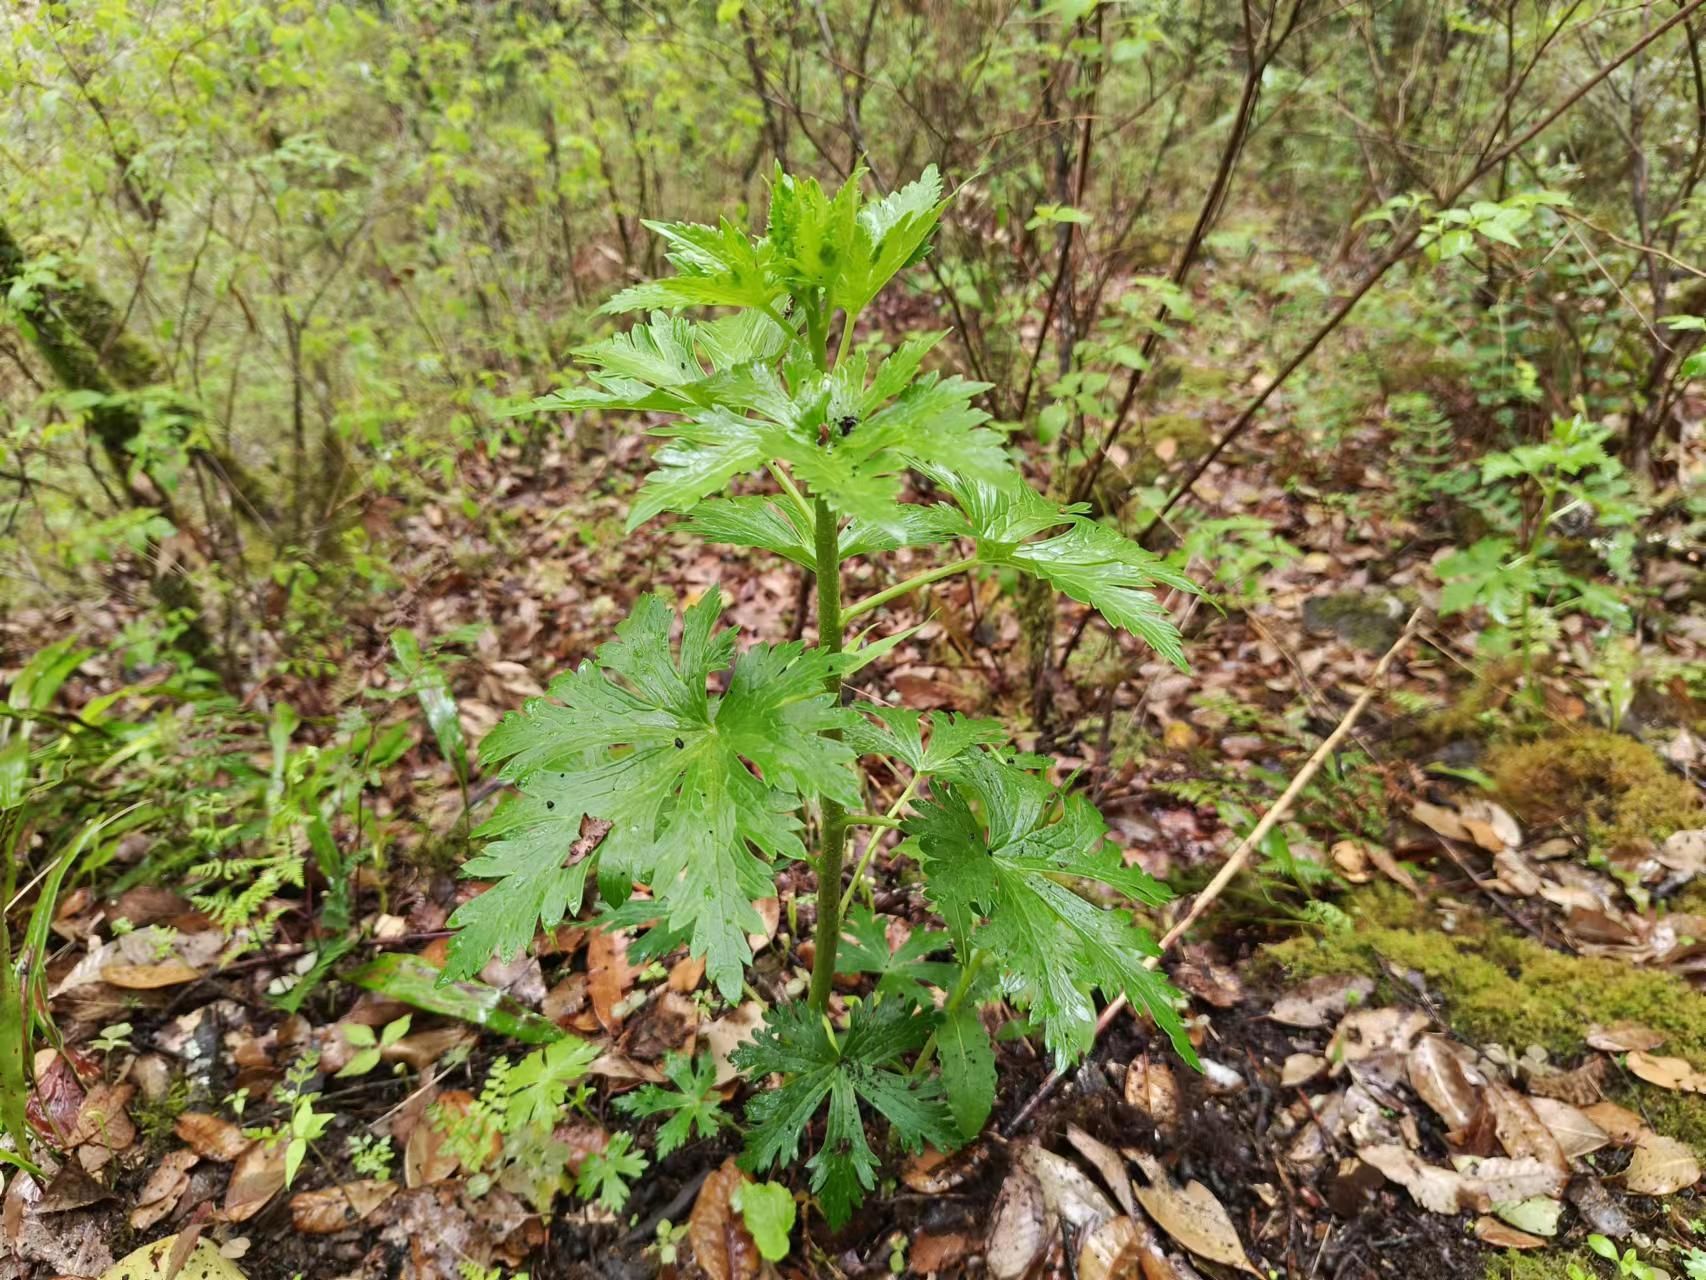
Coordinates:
1520 574
672 761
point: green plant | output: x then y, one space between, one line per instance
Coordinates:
1519 575
694 1103
699 796
302 1124
507 1137
604 1175
371 1155
1628 1263
369 1047
768 1210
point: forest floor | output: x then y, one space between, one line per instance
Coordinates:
1490 935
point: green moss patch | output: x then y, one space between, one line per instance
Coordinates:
1496 987
1616 789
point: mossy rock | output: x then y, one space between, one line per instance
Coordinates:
1616 789
1367 620
149 1263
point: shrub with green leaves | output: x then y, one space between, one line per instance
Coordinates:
698 769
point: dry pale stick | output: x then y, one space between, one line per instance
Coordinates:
1241 854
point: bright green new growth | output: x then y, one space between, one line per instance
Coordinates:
631 773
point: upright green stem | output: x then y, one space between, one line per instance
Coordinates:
828 932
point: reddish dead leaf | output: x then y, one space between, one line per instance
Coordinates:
57 1098
932 1254
332 1209
686 974
1501 1235
722 1246
211 1136
608 975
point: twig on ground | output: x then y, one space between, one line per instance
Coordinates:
1241 853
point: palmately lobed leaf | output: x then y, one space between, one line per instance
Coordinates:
701 792
999 874
862 1064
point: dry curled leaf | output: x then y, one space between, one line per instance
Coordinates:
164 1188
1019 1230
1440 820
1113 1251
1068 1193
1301 1068
1520 1130
332 1209
1191 1215
1490 1182
722 1246
256 1177
933 1173
210 1136
1441 1079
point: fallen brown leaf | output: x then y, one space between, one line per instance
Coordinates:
608 974
1113 1251
332 1209
1318 1001
1107 1162
1622 1037
1440 1078
1068 1194
256 1177
1619 1124
1019 1230
210 1136
1667 1073
1575 1133
1501 1235
722 1246
1661 1166
1191 1215
164 1188
1153 1089
933 1173
147 977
